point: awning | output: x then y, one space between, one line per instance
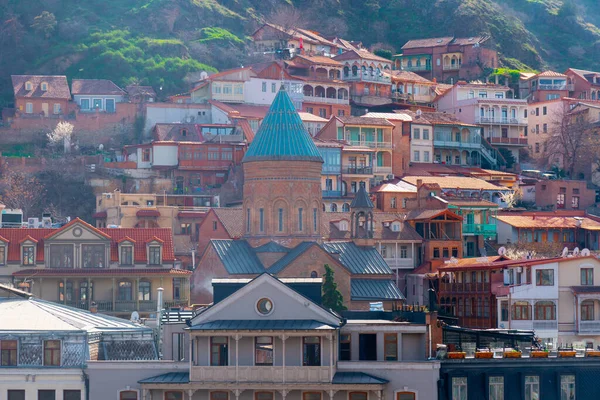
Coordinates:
148 213
259 325
99 215
170 377
357 378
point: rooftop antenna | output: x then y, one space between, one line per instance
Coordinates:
502 251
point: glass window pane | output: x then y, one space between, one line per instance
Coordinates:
567 387
358 396
72 395
128 395
263 396
46 395
16 395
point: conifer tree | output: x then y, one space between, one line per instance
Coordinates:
332 298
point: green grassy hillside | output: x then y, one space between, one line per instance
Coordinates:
164 42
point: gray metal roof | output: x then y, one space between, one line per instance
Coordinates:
169 377
283 262
359 260
374 289
261 324
357 378
237 256
362 199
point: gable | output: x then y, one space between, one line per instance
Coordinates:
287 304
77 231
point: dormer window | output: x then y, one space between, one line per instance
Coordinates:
396 226
28 252
126 252
44 86
184 132
3 253
28 86
154 255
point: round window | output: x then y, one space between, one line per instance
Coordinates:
264 306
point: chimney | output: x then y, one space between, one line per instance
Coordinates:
534 217
419 183
434 80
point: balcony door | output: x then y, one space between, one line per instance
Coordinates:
311 351
367 347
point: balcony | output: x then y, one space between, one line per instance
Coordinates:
107 306
262 374
451 67
325 100
414 68
589 326
371 144
332 193
501 121
400 262
508 141
382 170
479 229
570 87
548 325
462 287
353 170
367 77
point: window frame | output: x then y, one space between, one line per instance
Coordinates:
122 260
212 344
541 308
260 348
390 338
12 353
539 279
589 273
461 386
152 255
304 353
351 392
533 384
210 394
524 313
568 382
345 339
51 362
173 391
90 247
588 305
146 292
137 393
494 395
120 292
30 260
20 391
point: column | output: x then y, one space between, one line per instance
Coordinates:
145 394
191 351
330 338
331 394
283 339
89 293
114 293
191 393
136 293
237 347
65 290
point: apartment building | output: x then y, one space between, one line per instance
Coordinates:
411 88
586 84
547 85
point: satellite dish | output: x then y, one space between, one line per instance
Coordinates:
100 147
565 252
502 251
585 252
135 316
203 75
576 251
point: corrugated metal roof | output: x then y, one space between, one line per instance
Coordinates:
282 135
356 378
289 257
261 324
237 256
359 260
374 289
169 377
271 247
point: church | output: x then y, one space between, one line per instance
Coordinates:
278 230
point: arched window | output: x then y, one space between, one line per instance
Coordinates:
587 310
124 291
354 70
333 207
521 310
545 310
346 71
314 274
128 395
144 291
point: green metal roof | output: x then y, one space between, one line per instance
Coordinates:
283 262
169 377
271 247
282 135
359 260
362 199
237 256
261 324
356 378
374 289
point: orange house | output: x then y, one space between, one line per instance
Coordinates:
41 95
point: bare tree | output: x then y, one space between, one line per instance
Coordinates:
62 133
511 198
21 190
285 22
571 141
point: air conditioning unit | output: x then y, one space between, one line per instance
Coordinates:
390 176
109 195
33 222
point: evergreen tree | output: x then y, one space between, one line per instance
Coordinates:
332 298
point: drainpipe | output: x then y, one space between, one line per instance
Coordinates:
159 309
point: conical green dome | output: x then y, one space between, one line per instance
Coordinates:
282 135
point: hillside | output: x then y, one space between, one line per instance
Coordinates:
161 42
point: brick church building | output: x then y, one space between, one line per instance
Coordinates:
278 230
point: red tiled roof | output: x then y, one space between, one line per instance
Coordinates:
126 239
362 54
431 42
409 76
58 88
148 213
95 86
549 74
548 222
100 214
28 238
15 237
100 271
232 219
320 60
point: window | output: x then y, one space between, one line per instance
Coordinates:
575 202
483 95
29 108
341 113
124 291
545 128
544 277
263 350
219 395
84 104
426 156
86 293
499 95
173 395
587 310
273 87
416 155
264 87
560 200
537 112
52 353
65 295
445 253
345 347
391 346
436 252
416 133
186 229
300 220
2 255
177 287
261 219
587 276
311 351
218 351
128 395
46 395
8 353
28 86
544 110
425 134
94 255
61 256
315 219
406 396
403 252
154 255
72 395
280 220
567 387
459 388
178 345
532 387
504 310
97 104
214 225
358 396
126 255
144 291
16 395
395 227
56 108
311 396
322 112
393 202
545 311
496 388
521 311
537 147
